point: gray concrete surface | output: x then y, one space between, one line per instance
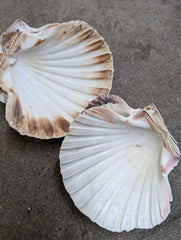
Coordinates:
145 39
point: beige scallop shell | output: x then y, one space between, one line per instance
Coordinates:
115 162
48 75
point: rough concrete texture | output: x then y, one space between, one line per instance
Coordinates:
145 39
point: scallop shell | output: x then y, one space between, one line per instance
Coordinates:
48 75
115 162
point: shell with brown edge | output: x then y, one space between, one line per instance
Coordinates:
48 75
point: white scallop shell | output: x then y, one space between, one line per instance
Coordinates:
50 74
115 161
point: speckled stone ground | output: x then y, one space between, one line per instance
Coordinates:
145 39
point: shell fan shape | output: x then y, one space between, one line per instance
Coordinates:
48 75
115 162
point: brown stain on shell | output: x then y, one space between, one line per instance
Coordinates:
47 126
102 58
63 124
42 128
32 126
99 91
104 74
17 49
48 129
17 114
40 41
15 42
6 37
94 38
11 43
95 46
104 99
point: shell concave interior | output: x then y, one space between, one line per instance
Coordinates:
50 74
115 161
